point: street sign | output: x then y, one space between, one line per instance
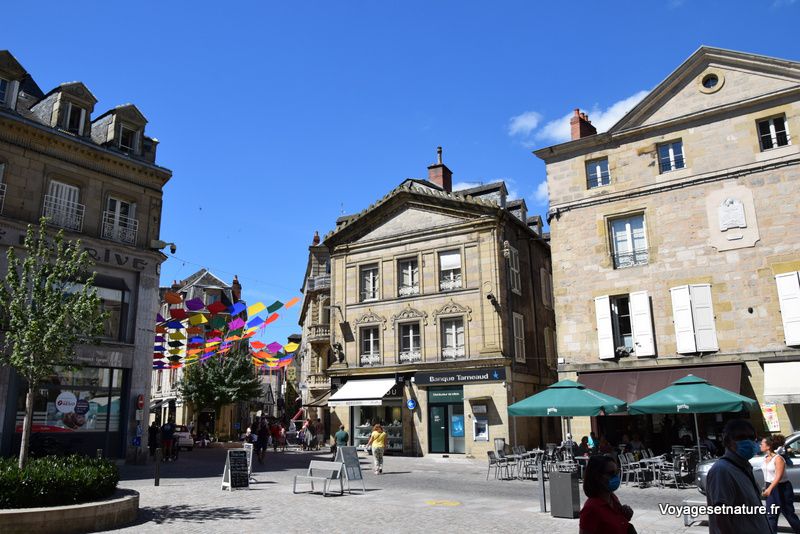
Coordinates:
411 404
291 374
352 465
140 402
237 473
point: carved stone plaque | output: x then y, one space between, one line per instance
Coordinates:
731 215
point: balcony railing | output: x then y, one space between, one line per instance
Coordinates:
631 259
120 229
410 356
319 332
406 291
316 283
318 380
68 215
453 353
370 358
450 283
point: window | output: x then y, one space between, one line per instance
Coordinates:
173 378
61 206
212 297
519 338
452 338
597 173
549 348
773 133
670 156
370 346
789 299
546 279
74 118
4 92
410 343
408 277
369 282
159 380
114 302
513 264
628 241
693 315
449 270
128 138
119 221
624 325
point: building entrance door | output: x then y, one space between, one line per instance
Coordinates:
438 425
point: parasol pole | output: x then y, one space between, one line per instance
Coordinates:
697 437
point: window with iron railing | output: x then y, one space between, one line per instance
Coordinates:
629 241
597 174
408 275
61 206
773 133
369 282
670 156
453 338
370 346
410 348
449 270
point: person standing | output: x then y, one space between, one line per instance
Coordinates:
779 491
731 482
378 441
167 432
152 438
262 439
319 431
340 439
602 512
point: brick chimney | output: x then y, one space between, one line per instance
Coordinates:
581 126
439 174
236 289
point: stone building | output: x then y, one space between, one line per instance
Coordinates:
97 179
674 244
442 307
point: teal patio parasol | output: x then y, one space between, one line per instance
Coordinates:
567 398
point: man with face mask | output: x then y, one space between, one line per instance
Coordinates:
730 482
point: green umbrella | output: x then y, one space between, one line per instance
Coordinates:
692 394
567 398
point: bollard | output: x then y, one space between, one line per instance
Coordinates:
158 466
99 453
542 491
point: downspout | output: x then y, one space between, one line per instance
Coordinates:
536 332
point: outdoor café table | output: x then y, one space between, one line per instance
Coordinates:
583 461
652 464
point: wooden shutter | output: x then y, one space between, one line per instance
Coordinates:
705 332
682 317
642 324
605 332
789 298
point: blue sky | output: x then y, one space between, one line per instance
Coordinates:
278 117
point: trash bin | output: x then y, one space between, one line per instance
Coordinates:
564 497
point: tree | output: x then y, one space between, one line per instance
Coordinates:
47 306
221 380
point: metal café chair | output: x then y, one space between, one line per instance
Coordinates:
496 464
510 462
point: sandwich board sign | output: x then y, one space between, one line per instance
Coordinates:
249 448
352 466
236 475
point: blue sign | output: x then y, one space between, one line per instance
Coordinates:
137 441
411 404
82 407
457 426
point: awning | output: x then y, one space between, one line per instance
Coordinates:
362 392
781 382
631 386
319 402
156 404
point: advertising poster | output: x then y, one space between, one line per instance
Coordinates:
457 426
771 416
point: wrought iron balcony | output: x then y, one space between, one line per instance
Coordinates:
370 358
318 283
450 283
630 259
319 332
407 291
453 353
120 229
410 356
67 215
2 196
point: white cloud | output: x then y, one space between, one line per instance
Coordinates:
541 193
458 186
524 123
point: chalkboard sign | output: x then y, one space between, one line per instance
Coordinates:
352 465
236 474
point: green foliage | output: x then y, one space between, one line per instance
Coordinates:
55 481
44 309
221 380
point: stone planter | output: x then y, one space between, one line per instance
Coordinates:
118 511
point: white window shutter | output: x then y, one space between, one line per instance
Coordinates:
705 332
83 121
605 332
642 324
682 317
789 298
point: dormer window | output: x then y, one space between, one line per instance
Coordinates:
74 118
128 139
4 85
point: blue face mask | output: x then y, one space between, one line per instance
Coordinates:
613 483
746 448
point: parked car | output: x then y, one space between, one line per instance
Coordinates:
792 471
183 438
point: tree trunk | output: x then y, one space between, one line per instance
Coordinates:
26 427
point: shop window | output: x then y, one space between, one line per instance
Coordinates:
390 416
114 300
410 347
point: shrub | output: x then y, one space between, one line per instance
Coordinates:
55 481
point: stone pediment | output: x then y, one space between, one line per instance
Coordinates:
410 314
409 221
453 308
370 317
739 77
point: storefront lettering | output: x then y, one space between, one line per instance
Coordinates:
116 258
488 375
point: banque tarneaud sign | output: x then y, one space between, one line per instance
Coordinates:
467 376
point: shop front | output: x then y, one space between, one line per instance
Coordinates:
446 419
782 394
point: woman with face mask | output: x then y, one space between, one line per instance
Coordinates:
602 512
779 491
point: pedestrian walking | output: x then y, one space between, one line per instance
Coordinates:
153 432
340 439
730 482
602 512
262 440
319 432
378 441
167 433
779 491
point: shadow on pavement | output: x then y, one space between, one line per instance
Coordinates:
183 513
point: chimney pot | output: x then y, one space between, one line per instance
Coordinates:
580 126
439 174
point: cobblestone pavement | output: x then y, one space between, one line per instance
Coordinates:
412 495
